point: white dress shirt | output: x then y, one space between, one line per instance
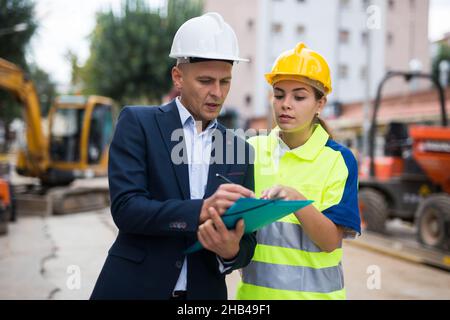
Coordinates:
198 147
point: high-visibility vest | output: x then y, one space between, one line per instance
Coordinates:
286 263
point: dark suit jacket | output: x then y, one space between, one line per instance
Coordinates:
157 220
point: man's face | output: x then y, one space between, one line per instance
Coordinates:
204 87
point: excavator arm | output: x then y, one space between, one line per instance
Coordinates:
34 159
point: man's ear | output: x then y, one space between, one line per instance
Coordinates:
177 77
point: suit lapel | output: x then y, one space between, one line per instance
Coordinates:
169 121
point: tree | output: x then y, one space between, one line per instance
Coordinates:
129 51
45 87
76 81
442 55
17 26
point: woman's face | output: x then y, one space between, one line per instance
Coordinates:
295 105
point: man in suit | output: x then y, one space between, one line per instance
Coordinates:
165 194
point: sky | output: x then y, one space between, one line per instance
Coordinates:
439 22
66 24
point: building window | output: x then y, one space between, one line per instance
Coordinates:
343 71
363 73
344 3
344 36
390 39
391 5
250 24
364 38
277 27
365 4
300 30
248 100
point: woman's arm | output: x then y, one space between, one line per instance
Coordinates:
321 230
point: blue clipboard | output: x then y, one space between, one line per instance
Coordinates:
256 213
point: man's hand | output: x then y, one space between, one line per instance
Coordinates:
214 236
282 192
225 196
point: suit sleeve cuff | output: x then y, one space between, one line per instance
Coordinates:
225 265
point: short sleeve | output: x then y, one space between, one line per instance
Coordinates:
341 194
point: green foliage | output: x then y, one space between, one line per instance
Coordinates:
10 108
443 54
76 81
45 87
129 51
13 45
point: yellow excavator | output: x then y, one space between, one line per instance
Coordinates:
75 144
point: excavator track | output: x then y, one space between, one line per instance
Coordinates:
78 200
35 201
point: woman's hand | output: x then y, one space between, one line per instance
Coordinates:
282 192
321 230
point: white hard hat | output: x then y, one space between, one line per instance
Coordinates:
207 37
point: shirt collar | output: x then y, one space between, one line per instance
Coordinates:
309 150
187 118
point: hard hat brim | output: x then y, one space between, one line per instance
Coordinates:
273 78
209 57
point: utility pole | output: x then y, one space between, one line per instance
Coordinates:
373 23
261 106
444 68
337 53
367 97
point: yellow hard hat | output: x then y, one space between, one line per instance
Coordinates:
302 64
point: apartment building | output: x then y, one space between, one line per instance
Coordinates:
361 40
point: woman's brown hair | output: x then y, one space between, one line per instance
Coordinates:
319 95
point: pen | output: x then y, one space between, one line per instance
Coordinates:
224 179
229 181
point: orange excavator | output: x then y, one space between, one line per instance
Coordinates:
76 145
411 181
5 206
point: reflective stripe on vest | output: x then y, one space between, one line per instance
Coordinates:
286 243
294 278
250 292
286 235
288 265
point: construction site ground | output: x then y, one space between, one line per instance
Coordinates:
60 257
